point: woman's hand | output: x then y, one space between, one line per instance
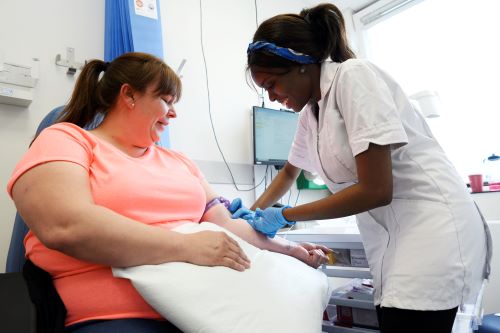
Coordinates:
311 254
215 248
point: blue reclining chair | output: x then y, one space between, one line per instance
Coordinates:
17 312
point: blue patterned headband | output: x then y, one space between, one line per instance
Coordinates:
282 52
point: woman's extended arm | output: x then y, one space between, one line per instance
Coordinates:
313 255
56 202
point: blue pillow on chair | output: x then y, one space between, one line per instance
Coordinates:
15 257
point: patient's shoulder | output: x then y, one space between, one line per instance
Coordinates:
60 130
188 162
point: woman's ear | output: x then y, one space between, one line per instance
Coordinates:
127 95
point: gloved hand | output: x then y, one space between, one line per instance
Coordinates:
239 211
269 220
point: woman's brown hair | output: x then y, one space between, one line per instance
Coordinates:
95 93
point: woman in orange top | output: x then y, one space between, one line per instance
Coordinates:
109 197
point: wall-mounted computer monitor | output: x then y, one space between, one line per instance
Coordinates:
273 133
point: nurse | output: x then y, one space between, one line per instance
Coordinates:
425 240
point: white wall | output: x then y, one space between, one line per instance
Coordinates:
43 29
228 28
40 29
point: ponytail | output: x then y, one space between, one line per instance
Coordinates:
328 25
86 100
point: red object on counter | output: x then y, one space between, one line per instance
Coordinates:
476 183
494 187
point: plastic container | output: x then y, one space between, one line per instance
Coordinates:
492 171
354 305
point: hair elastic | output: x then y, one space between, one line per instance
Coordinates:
283 52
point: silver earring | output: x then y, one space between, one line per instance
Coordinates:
133 104
302 70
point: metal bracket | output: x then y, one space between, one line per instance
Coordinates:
69 62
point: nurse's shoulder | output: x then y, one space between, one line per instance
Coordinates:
355 67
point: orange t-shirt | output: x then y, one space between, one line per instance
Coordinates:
161 188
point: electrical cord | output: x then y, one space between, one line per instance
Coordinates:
261 95
210 108
253 188
297 199
209 105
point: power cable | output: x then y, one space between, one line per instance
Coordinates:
210 108
261 95
297 199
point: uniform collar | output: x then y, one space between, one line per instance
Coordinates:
327 74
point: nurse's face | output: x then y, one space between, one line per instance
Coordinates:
292 87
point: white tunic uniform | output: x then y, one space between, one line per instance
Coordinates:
427 249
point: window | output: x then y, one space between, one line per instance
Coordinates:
450 46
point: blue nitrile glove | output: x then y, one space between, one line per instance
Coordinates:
269 220
239 211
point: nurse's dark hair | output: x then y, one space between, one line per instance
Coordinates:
317 31
99 84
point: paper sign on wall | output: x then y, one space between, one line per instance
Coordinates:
146 8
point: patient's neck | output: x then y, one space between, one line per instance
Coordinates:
118 131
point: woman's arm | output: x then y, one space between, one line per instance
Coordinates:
313 255
56 202
279 186
373 189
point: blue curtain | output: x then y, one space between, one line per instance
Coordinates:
125 31
117 29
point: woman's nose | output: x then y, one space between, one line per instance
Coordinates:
171 113
272 96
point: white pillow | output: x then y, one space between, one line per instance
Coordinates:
277 294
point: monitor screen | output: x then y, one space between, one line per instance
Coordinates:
273 133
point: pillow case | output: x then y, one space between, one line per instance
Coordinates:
277 294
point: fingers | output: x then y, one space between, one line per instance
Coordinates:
232 255
235 248
325 249
241 213
311 246
235 205
233 264
318 258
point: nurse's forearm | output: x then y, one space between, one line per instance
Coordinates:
279 186
350 201
373 189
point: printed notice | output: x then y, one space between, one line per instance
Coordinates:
146 8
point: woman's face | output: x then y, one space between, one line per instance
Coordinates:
153 114
291 87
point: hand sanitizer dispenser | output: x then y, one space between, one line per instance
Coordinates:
492 172
17 82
